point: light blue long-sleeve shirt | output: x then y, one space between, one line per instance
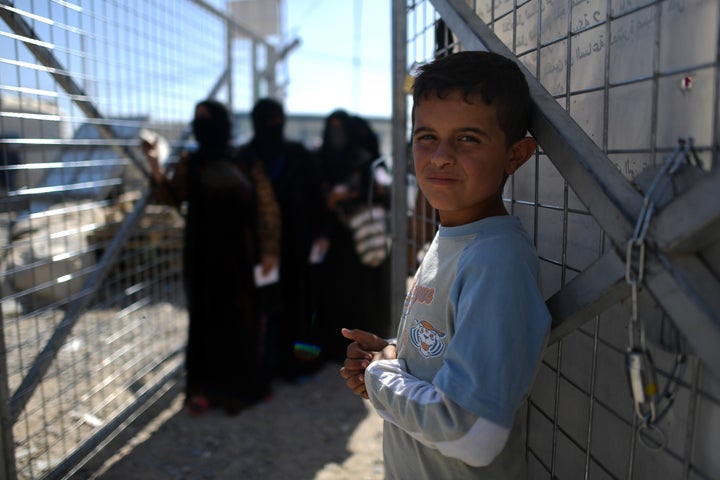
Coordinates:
469 343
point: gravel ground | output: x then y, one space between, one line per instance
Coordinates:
315 430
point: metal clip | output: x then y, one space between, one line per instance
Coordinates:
643 384
635 251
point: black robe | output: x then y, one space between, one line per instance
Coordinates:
223 360
291 306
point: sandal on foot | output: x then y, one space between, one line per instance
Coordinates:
197 405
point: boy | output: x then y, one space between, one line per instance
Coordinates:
474 325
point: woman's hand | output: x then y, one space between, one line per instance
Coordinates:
151 152
338 194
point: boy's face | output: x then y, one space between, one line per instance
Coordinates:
461 157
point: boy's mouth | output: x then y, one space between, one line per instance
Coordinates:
440 179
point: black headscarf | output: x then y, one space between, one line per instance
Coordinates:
348 144
212 133
268 119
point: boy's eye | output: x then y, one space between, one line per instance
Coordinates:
467 138
426 136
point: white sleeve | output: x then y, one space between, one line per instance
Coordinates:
430 417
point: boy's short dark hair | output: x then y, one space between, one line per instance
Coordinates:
496 79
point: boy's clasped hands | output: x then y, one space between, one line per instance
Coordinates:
365 349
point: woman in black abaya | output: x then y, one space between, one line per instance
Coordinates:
354 294
223 361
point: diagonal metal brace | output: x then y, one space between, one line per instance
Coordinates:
597 288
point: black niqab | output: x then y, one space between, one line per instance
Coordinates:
268 120
212 133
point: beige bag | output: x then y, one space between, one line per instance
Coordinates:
370 233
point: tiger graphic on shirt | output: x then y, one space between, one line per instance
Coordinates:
428 339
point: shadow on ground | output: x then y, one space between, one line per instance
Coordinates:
316 430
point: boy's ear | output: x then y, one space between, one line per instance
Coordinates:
520 152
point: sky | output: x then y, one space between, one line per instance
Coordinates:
344 58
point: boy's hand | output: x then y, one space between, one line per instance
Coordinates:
367 341
365 348
387 353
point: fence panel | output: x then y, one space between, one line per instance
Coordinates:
622 81
93 317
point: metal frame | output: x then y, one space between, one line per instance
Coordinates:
582 420
682 284
399 225
14 405
46 356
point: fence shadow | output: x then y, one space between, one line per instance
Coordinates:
305 431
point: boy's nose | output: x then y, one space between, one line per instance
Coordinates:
443 155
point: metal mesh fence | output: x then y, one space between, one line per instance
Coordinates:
93 318
635 83
93 321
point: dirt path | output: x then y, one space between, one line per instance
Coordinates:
317 430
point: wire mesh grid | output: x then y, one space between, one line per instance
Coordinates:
93 316
615 69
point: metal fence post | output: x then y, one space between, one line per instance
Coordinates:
399 165
7 445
